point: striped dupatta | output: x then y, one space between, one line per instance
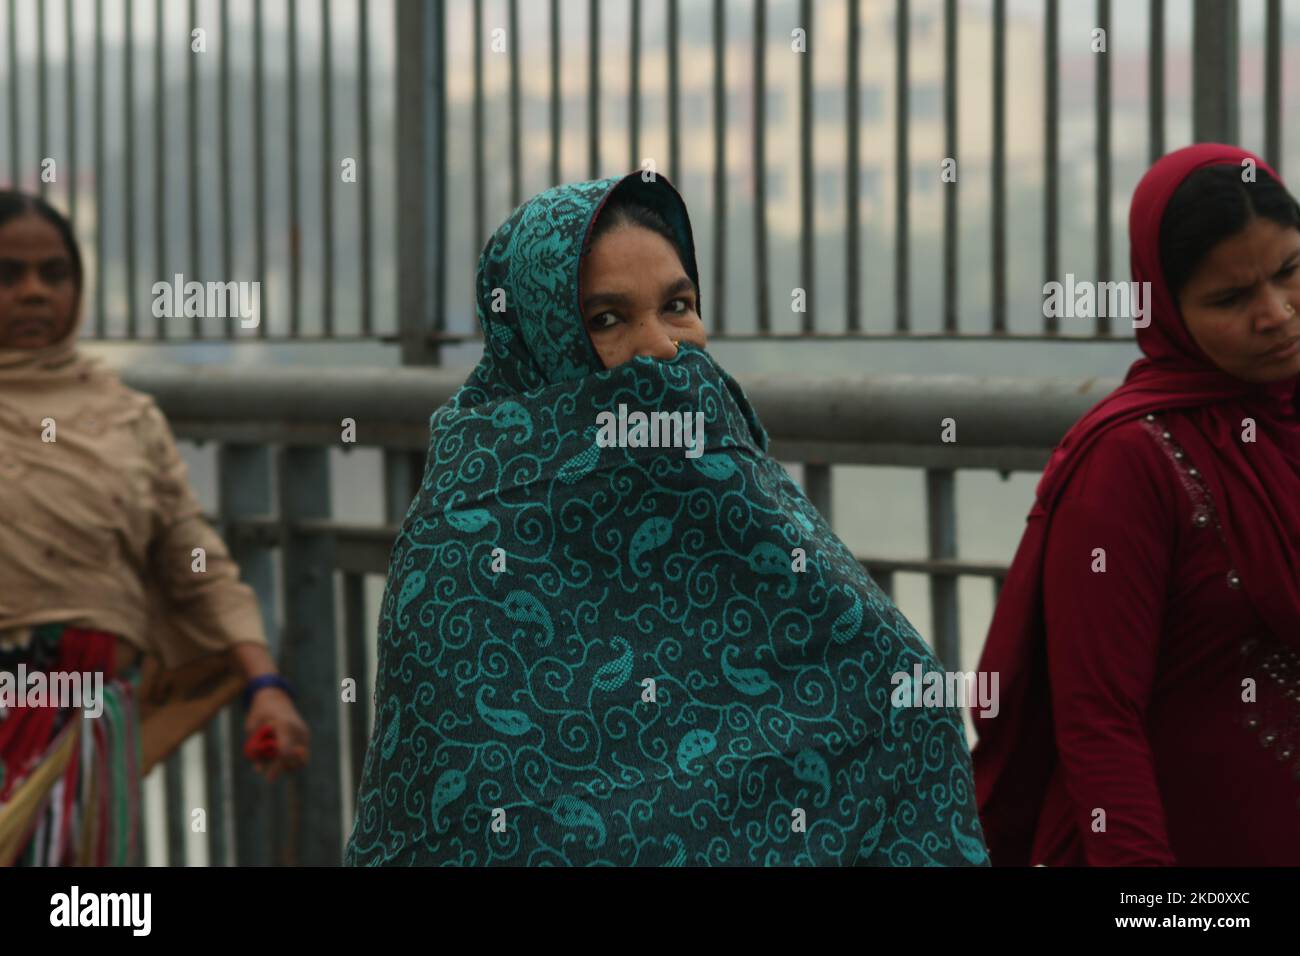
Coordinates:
70 784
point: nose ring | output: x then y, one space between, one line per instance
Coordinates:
1290 309
677 343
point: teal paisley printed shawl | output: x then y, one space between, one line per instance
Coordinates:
613 656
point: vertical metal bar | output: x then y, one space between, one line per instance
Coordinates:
1051 140
128 193
1156 83
244 491
941 530
817 483
295 170
951 261
902 173
516 145
999 238
634 90
1102 198
43 97
70 108
192 160
354 636
674 94
1273 85
403 472
480 217
314 831
885 581
216 754
1214 71
177 817
15 126
555 92
852 297
259 155
997 587
436 40
363 134
593 89
101 239
807 231
759 170
227 204
159 160
719 306
412 176
329 169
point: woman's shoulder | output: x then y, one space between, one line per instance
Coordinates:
147 421
1130 467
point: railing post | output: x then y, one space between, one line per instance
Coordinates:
354 637
313 834
941 528
216 753
244 491
1214 71
173 783
817 482
413 174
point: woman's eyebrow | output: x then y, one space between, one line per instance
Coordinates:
39 263
679 285
1227 291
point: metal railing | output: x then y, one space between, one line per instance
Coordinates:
165 193
274 430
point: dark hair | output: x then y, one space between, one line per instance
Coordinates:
15 204
624 209
1213 204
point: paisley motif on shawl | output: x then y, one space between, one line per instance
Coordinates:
624 656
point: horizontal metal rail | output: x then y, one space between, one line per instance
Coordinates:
1005 424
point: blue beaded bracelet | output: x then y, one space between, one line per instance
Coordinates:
266 680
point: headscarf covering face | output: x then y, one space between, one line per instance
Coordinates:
528 295
1255 488
606 655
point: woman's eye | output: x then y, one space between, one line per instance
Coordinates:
603 321
1287 271
686 306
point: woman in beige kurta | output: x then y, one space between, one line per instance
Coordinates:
108 568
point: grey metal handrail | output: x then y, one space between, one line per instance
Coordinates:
1004 423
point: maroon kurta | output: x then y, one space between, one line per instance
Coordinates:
1148 710
1147 661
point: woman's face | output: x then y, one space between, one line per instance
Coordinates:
1242 306
38 284
636 297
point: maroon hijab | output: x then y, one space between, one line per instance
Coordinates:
1256 490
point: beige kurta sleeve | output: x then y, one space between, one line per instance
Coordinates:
199 605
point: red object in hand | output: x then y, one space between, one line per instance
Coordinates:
261 745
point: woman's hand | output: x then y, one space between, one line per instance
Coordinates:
272 706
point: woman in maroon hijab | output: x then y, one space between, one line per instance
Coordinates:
1146 637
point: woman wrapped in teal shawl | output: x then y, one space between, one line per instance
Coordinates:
614 630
